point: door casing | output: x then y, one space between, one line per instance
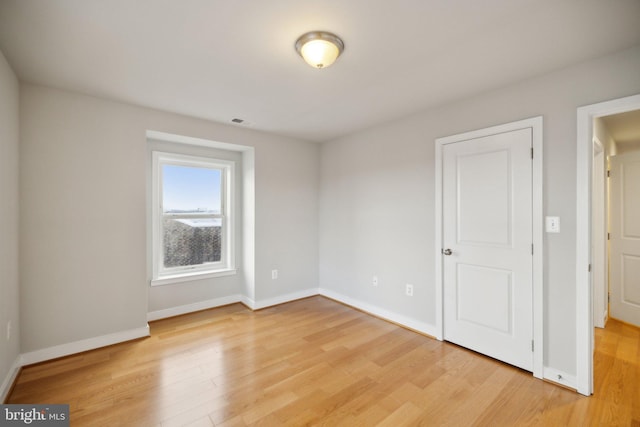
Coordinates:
599 237
535 124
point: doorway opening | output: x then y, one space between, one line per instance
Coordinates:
586 258
615 242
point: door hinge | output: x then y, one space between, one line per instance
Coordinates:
608 236
608 174
532 346
532 152
532 249
589 268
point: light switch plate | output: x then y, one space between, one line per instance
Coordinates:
552 224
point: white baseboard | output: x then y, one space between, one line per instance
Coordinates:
218 302
281 299
190 308
559 377
10 378
422 327
250 303
83 345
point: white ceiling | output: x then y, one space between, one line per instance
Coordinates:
225 59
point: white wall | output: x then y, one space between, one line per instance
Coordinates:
377 194
83 204
286 185
601 132
9 292
628 147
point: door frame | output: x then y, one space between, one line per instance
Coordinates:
584 285
600 230
535 123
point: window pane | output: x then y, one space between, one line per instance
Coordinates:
192 241
191 189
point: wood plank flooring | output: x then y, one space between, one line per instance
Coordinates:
317 362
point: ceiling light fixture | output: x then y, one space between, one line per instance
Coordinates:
319 48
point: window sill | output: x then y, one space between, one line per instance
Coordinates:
188 277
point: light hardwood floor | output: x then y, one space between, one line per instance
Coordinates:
317 362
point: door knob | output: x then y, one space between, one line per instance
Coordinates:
447 252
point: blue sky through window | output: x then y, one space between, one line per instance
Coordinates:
191 189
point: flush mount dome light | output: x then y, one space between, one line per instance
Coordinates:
319 48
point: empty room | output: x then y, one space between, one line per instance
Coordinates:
359 213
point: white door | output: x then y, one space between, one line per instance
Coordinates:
625 238
487 242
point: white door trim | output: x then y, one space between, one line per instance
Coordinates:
535 124
584 291
599 239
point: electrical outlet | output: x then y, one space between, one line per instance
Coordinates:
274 274
8 330
409 290
374 282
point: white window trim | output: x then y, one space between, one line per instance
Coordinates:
226 266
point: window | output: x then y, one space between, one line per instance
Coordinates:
192 217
